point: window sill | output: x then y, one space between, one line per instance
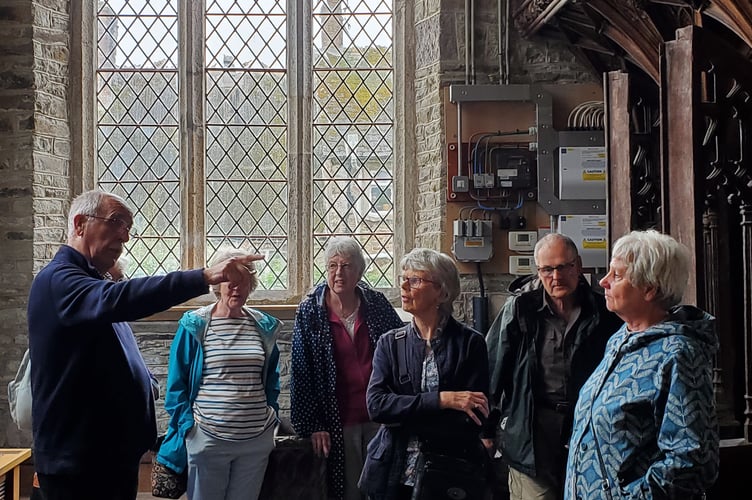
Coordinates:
282 311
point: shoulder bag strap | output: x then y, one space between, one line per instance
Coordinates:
401 338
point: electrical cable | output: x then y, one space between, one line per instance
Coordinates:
480 281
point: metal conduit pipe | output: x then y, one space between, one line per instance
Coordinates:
501 43
472 41
467 49
467 82
459 140
506 41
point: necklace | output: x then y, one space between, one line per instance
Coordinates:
346 315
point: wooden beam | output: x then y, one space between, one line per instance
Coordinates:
633 30
620 195
680 96
734 14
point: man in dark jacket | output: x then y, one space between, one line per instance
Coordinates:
548 338
92 403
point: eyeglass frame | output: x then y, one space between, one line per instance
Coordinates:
548 271
413 281
334 267
117 221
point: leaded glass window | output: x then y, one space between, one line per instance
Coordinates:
267 126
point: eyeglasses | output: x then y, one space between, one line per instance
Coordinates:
414 281
119 224
333 266
548 271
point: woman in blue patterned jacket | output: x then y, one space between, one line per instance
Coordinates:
335 333
645 423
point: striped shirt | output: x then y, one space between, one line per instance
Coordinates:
231 402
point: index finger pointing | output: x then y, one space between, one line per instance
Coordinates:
251 257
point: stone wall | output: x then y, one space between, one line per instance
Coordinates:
34 150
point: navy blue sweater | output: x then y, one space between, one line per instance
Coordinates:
92 406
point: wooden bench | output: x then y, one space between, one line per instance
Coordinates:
10 471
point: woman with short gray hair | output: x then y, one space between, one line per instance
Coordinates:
429 388
645 423
441 268
335 333
348 248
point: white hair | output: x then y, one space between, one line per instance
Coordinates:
88 203
549 239
442 270
656 260
348 248
224 253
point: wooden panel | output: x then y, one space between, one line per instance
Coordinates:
736 15
680 87
620 195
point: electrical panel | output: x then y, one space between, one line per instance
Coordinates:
590 234
473 240
513 168
521 265
502 167
522 241
500 175
582 173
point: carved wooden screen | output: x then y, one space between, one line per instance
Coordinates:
707 105
634 198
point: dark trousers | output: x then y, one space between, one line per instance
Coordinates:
109 484
550 453
404 492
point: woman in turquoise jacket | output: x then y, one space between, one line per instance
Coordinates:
222 390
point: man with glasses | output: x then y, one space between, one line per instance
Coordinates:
92 403
548 338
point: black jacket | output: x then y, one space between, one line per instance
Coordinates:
404 410
513 362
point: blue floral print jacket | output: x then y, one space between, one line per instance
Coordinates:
645 423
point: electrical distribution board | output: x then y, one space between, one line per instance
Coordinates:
590 234
473 240
491 173
582 173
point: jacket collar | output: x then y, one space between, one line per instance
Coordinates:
319 293
70 254
266 323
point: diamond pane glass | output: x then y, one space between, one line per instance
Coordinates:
154 246
352 135
246 97
141 97
251 40
246 133
137 135
137 34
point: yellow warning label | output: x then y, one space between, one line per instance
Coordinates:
593 176
594 244
475 243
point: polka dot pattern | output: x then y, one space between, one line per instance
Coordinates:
313 374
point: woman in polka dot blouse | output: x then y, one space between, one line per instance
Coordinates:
335 334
